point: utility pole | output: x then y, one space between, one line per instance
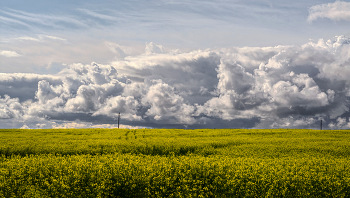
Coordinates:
118 119
321 124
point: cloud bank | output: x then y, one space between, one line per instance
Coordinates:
249 87
336 11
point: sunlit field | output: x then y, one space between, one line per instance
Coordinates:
174 163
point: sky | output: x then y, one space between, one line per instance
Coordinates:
175 64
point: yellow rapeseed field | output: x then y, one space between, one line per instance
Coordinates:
174 163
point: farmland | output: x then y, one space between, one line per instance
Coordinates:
174 163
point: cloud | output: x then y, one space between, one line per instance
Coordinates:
67 125
10 108
40 38
10 21
97 15
23 85
54 21
340 123
9 54
49 53
167 106
153 48
273 87
337 11
52 38
27 38
119 50
24 127
127 106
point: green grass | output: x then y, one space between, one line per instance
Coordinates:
174 163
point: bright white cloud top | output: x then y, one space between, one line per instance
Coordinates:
336 11
197 64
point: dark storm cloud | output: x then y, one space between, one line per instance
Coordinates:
23 86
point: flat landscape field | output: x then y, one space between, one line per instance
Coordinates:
174 163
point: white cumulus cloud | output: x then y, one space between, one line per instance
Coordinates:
282 86
337 11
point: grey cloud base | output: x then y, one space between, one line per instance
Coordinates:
250 87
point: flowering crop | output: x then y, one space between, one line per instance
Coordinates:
174 163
